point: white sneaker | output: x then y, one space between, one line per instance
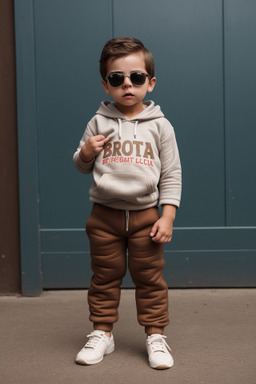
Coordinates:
96 347
159 352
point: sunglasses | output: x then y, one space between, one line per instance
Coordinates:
116 79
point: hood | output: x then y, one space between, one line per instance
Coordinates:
152 111
108 109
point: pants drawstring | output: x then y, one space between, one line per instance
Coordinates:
127 221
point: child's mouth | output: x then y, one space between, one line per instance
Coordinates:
128 95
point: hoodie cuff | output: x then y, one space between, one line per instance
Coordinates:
81 165
173 201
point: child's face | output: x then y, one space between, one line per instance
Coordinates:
129 97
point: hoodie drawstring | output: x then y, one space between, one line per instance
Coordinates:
135 128
120 128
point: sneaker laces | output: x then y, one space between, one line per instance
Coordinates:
94 338
158 343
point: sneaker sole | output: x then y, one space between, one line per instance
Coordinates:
161 366
92 362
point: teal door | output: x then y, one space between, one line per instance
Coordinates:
205 67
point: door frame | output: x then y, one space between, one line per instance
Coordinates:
27 149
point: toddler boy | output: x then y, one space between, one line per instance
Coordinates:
131 149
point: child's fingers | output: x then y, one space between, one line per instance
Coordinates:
101 141
158 238
105 140
97 143
153 230
98 137
158 235
101 138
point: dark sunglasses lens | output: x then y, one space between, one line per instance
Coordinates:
138 78
116 79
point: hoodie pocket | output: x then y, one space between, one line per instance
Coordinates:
134 188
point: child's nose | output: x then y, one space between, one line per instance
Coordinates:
127 82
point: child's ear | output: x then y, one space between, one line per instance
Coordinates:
105 85
152 83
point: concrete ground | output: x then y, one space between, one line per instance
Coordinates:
212 335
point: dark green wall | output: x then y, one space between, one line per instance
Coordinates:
205 67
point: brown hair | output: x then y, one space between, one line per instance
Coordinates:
123 46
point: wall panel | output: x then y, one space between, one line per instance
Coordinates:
185 38
69 37
240 85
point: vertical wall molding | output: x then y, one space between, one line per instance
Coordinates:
226 115
112 18
27 147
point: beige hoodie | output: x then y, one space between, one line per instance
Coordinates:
140 166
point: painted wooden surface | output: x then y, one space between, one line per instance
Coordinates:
205 67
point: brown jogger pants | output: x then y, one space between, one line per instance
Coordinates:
111 232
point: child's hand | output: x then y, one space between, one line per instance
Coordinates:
92 147
161 232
